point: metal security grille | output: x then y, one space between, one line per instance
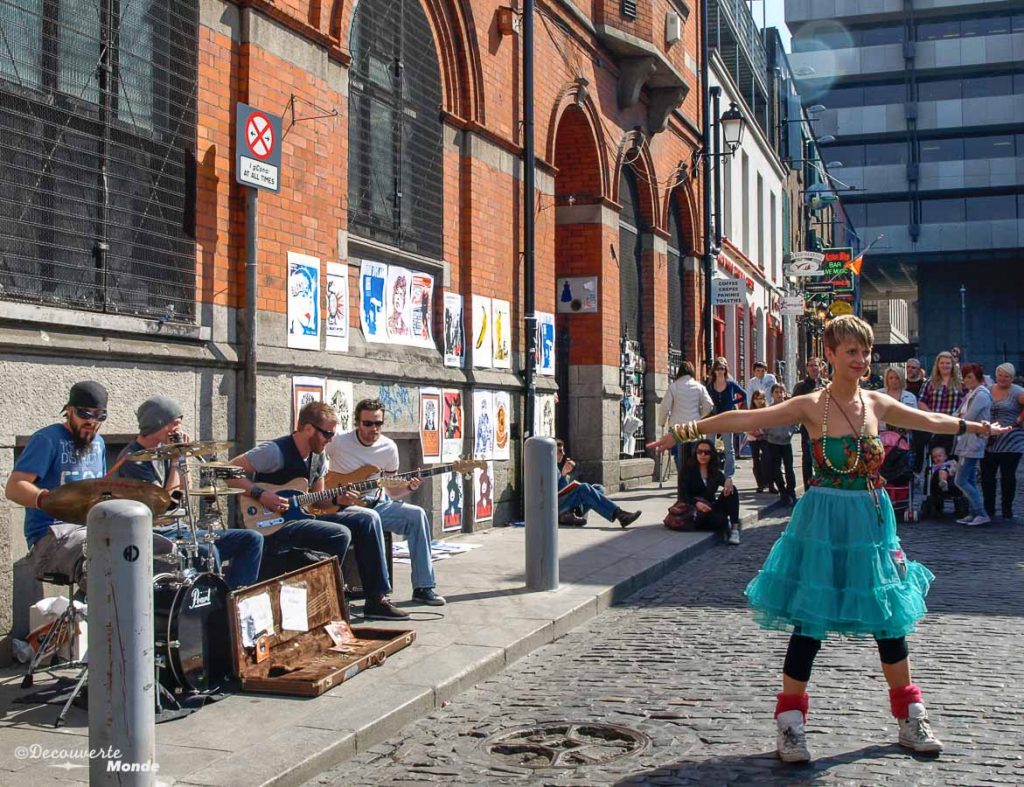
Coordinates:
632 364
395 177
675 285
97 141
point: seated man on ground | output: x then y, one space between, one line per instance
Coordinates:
576 494
159 423
713 496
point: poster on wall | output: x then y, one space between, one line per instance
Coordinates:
337 317
482 332
577 295
451 438
454 331
544 416
453 500
430 424
372 280
422 307
338 395
398 305
304 391
546 343
303 302
502 424
483 492
483 419
501 314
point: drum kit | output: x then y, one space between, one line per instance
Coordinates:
190 596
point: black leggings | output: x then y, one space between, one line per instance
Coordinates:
802 650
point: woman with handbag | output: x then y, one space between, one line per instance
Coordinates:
715 503
727 396
838 566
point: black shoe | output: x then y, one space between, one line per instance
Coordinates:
626 518
428 596
383 609
759 490
569 519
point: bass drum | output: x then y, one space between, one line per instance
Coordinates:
190 621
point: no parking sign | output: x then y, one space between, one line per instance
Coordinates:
257 148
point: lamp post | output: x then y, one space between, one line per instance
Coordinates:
963 321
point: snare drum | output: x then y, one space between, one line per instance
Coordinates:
190 621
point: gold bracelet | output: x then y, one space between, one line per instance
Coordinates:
687 433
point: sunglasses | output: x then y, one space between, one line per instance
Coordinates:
90 415
327 435
372 423
703 452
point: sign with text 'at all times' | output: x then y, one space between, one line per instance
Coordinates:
257 148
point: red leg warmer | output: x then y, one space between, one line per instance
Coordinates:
900 699
785 702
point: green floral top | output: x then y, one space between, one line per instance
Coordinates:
841 453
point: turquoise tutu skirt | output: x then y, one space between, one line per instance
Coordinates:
838 568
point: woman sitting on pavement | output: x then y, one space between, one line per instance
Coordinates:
1003 453
970 448
578 495
706 488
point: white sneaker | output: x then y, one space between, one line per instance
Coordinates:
965 520
734 536
980 519
792 739
916 732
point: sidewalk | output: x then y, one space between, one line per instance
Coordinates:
490 622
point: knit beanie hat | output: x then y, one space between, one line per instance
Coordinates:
154 414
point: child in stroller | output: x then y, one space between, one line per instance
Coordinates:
897 470
939 486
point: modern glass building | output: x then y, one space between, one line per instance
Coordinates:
925 111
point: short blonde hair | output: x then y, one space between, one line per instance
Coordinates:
848 327
899 376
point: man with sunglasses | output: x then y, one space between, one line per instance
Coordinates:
301 455
55 455
366 445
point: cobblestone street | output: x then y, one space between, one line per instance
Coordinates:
682 663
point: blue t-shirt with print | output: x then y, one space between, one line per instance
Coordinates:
52 458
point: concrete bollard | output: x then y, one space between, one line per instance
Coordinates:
122 705
540 493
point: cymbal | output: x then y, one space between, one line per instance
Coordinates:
210 491
174 450
169 519
72 502
222 469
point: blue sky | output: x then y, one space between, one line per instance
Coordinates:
774 16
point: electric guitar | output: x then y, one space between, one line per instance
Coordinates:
257 517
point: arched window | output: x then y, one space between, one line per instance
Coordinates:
677 246
395 188
630 254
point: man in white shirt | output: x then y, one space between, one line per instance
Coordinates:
761 381
366 445
685 400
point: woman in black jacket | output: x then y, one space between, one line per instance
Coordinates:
712 495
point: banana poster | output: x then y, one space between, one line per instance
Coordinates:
482 342
501 334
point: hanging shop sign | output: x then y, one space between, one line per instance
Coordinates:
792 305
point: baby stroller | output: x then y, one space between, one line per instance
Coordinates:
936 499
898 472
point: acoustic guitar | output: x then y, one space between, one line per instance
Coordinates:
257 517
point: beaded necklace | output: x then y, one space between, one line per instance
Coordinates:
860 439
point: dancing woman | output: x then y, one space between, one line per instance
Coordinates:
838 567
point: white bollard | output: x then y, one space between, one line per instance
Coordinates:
122 706
540 493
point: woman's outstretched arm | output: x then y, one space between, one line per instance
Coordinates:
792 411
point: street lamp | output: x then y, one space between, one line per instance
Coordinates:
733 125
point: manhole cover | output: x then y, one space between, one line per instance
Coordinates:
565 745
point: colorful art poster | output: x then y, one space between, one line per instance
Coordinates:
303 302
337 307
483 492
372 281
454 501
422 307
501 314
304 391
482 332
483 433
546 343
502 425
544 416
399 305
430 424
339 395
454 331
451 420
577 295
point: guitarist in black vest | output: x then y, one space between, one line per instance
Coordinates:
300 455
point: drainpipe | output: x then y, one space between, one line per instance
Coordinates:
529 228
709 249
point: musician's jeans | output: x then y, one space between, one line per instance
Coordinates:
591 497
410 521
244 548
368 544
316 534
